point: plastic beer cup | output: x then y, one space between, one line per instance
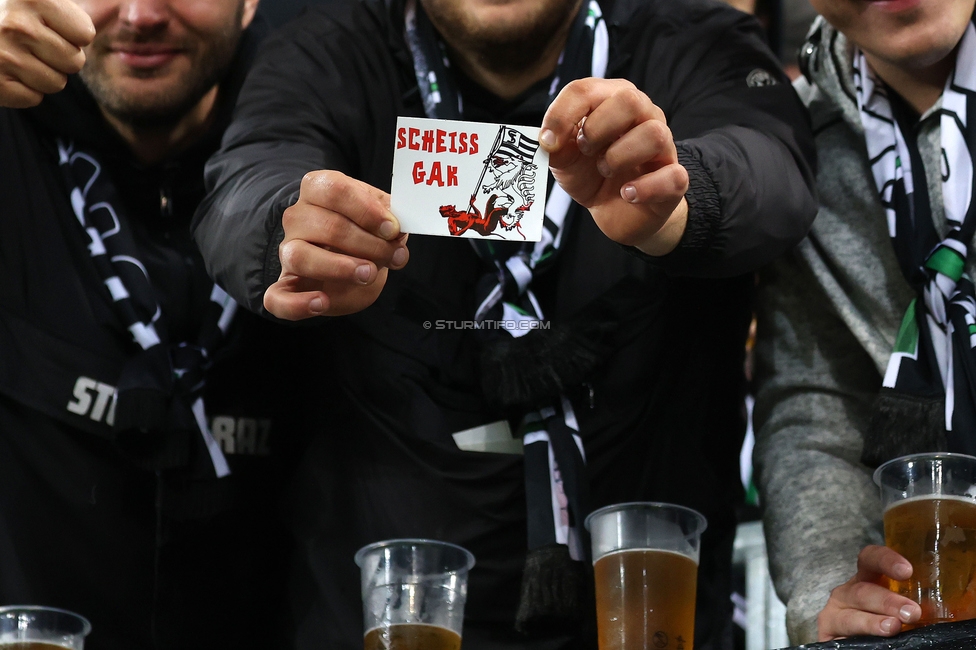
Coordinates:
413 594
645 565
929 505
31 627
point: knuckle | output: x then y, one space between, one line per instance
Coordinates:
366 213
290 254
632 97
278 305
31 99
655 111
322 184
18 25
837 593
330 230
861 591
681 180
307 180
290 218
8 61
75 62
870 559
269 300
891 602
57 82
659 133
579 86
343 268
328 179
314 179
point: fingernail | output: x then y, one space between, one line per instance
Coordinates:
903 569
399 257
362 273
316 306
629 193
547 138
886 625
582 143
906 613
388 230
603 168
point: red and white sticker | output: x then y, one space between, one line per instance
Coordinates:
469 179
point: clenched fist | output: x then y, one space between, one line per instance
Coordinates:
41 43
340 242
611 149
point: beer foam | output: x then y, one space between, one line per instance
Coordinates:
380 627
929 497
646 550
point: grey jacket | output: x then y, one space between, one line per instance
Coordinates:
828 317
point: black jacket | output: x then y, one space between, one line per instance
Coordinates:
153 560
660 415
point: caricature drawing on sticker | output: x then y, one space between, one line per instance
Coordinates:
511 186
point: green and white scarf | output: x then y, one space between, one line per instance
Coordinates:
934 352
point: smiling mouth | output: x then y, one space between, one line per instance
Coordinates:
894 6
143 57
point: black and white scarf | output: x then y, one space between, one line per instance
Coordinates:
159 392
933 357
556 487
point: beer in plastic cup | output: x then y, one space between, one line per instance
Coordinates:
413 594
31 627
929 505
645 565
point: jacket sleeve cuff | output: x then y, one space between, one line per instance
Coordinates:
704 216
704 204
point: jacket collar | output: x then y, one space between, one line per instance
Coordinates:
826 60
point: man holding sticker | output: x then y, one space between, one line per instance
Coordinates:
692 152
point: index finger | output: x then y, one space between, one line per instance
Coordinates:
875 561
359 202
68 20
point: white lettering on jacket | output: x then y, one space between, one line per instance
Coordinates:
243 436
83 404
236 435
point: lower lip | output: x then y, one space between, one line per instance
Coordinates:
146 60
894 6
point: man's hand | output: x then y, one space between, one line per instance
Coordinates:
611 149
340 240
40 45
862 605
